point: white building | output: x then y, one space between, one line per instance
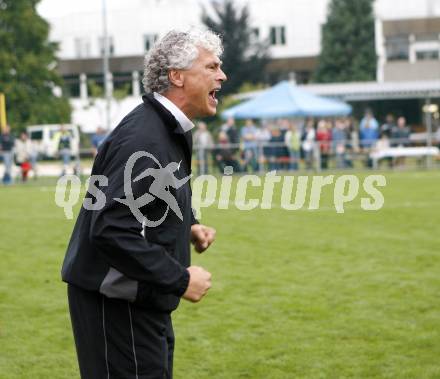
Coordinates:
407 37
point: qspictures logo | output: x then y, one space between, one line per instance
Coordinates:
209 191
163 179
224 192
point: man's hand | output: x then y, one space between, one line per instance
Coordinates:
199 284
202 237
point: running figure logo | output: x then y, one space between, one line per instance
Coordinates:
163 179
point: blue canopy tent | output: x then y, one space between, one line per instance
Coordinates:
287 100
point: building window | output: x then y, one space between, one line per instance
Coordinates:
82 47
71 85
397 48
427 55
277 35
122 84
427 37
149 40
426 47
111 46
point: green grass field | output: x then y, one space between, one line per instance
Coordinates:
296 294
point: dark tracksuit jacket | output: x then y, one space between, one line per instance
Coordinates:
107 252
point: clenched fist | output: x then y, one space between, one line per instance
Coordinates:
199 284
202 237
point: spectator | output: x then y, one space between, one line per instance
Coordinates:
284 151
368 131
203 143
276 148
7 148
308 143
369 119
383 144
224 154
231 131
400 133
352 145
232 134
249 135
23 150
270 150
388 126
353 134
339 137
400 138
292 139
33 157
64 141
324 138
97 139
263 138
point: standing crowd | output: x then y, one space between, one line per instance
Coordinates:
283 144
292 145
17 151
24 153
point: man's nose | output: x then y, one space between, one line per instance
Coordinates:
222 76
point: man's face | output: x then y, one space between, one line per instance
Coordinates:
201 82
401 122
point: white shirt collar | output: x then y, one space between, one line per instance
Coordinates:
181 118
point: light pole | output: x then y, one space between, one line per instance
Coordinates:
429 109
105 66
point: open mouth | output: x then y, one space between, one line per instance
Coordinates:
212 95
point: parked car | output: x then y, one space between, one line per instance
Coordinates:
44 136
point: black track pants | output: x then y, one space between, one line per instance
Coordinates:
117 340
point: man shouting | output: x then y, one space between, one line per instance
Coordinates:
125 276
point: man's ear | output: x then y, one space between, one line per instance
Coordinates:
176 78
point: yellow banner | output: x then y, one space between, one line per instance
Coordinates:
2 112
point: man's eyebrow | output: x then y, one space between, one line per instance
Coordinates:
216 63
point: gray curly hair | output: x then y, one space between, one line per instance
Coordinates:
176 50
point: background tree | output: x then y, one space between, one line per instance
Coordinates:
28 76
244 56
347 49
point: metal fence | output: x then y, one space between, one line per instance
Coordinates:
320 156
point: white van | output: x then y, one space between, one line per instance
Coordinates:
44 138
